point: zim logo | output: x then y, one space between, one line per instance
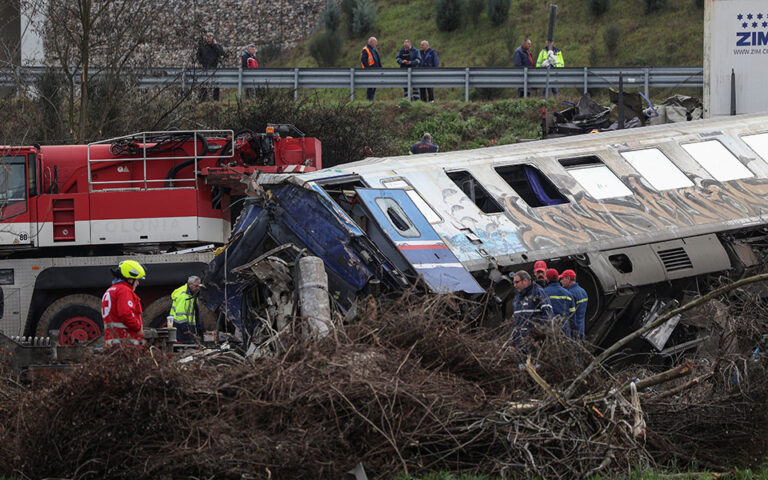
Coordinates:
754 29
751 39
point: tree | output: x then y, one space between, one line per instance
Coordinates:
325 47
331 17
363 17
498 11
94 40
448 14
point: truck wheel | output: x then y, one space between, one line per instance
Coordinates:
76 317
155 314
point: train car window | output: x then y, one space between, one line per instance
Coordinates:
659 170
397 217
596 178
531 185
428 212
717 160
475 191
758 143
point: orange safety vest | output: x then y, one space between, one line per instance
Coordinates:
370 57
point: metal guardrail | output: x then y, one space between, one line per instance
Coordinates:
352 78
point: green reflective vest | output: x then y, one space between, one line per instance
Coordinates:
183 306
559 62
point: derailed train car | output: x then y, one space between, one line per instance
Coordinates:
644 216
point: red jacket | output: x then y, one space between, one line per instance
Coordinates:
121 311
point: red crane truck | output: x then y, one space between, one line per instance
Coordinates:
68 213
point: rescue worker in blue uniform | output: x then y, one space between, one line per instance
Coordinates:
563 304
568 280
531 307
185 311
424 146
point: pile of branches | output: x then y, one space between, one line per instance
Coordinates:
409 387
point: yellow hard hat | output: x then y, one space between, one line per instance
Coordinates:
131 269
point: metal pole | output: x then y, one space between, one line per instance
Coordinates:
410 93
647 82
240 83
525 82
351 84
546 89
586 85
295 83
183 80
466 84
733 92
621 101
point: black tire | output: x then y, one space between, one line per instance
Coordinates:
155 314
79 315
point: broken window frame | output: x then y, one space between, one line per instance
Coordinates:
715 166
424 207
659 176
498 207
583 169
549 188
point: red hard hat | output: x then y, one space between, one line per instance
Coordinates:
540 265
551 274
568 274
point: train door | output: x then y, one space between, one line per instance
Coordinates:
406 229
17 186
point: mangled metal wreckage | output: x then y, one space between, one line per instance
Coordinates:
645 217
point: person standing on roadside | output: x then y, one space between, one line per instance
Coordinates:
208 54
531 307
550 57
408 57
121 307
248 60
563 305
523 59
369 58
428 59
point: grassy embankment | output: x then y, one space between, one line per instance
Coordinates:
672 36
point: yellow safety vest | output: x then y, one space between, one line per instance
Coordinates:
559 62
183 307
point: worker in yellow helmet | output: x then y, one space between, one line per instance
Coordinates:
185 311
121 307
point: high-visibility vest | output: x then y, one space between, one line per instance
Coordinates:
544 53
183 307
371 60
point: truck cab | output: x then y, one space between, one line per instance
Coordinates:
18 192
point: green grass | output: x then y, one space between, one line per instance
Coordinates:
670 37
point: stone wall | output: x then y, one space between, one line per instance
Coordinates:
180 25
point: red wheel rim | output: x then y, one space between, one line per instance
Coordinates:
78 330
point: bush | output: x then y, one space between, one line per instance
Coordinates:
331 17
448 14
474 9
269 52
598 7
325 48
653 5
348 7
611 39
363 17
498 11
699 3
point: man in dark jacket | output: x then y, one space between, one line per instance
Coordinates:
369 58
563 305
428 59
424 146
408 57
531 307
523 58
248 60
208 54
568 280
